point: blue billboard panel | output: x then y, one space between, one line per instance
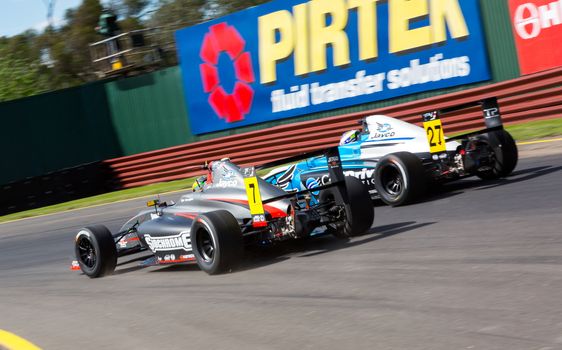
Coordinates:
292 57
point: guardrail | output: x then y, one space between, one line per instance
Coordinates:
531 97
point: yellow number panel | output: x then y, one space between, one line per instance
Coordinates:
254 201
435 136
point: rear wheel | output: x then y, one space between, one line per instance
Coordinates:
400 178
357 215
95 251
217 242
505 155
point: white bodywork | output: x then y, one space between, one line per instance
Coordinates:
389 135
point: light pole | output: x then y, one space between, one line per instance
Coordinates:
50 4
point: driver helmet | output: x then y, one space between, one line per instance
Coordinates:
199 183
349 137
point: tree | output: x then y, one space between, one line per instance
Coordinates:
71 43
58 58
134 8
229 6
20 78
178 13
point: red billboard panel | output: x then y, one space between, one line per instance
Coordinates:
537 27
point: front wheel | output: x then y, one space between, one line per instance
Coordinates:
358 214
217 242
400 178
95 251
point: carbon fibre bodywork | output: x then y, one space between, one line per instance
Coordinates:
223 211
166 230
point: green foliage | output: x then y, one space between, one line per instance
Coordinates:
20 78
134 8
178 13
72 54
237 5
32 62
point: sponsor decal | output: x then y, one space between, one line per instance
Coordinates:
287 58
429 116
172 259
228 175
225 183
366 175
537 29
169 257
248 172
334 162
169 243
491 113
223 38
284 181
259 220
384 127
384 130
75 266
312 183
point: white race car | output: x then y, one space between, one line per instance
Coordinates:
399 160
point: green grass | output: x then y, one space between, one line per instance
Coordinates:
521 132
104 199
540 129
536 130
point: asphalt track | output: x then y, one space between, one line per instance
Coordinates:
476 266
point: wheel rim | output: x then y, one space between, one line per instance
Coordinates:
391 180
87 251
205 245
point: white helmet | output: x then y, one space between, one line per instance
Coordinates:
349 137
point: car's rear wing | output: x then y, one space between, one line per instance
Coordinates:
490 111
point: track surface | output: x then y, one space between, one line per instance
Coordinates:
476 266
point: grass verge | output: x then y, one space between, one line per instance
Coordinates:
536 130
105 198
521 132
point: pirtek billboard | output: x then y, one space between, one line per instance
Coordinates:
537 26
292 57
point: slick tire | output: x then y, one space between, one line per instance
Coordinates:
505 155
95 251
400 178
359 212
217 242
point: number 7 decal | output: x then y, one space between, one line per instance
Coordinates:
254 198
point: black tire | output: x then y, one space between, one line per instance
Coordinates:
95 251
359 212
400 178
217 242
505 154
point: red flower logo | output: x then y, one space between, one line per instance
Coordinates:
225 38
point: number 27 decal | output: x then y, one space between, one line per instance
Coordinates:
435 137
